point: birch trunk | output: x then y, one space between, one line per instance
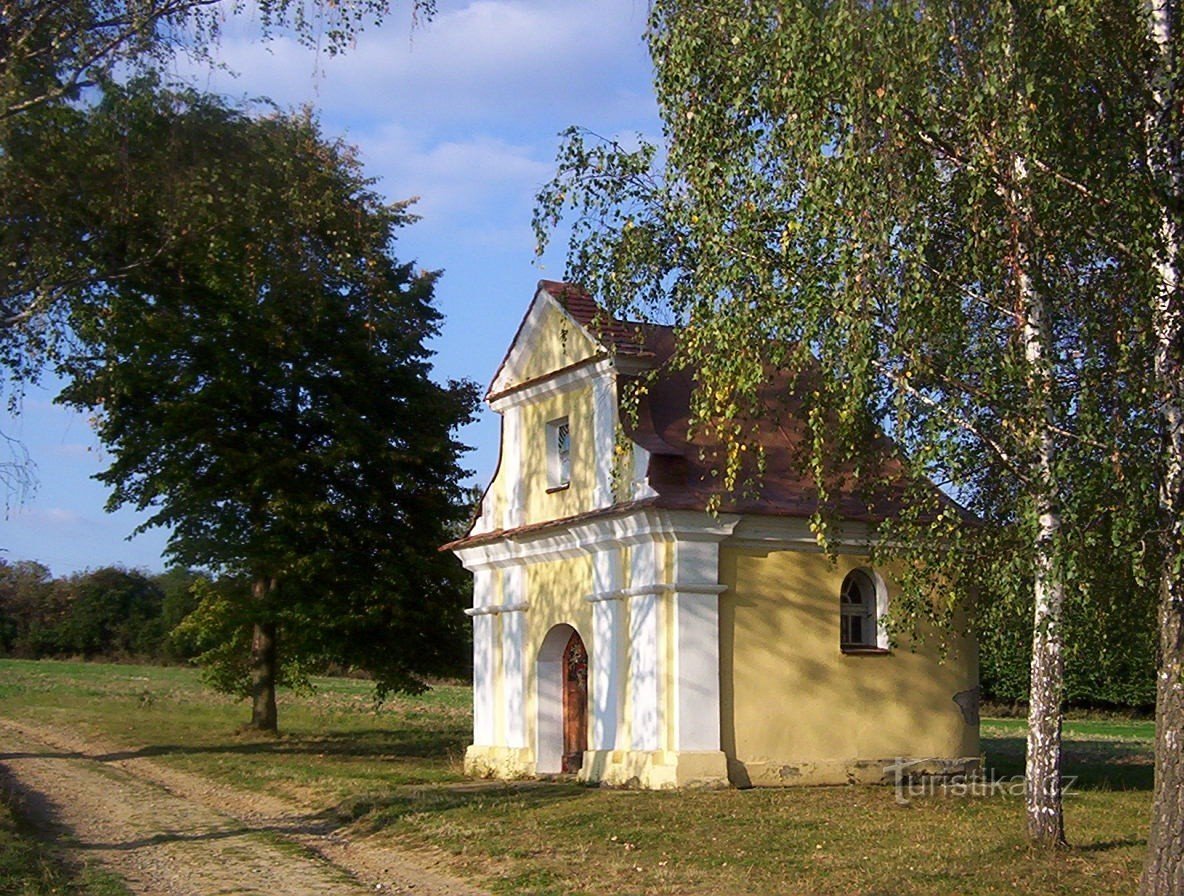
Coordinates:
1163 873
1046 820
1043 797
263 664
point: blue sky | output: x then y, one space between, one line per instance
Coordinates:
463 112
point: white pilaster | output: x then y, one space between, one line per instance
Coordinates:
513 615
484 658
511 462
696 634
604 427
645 656
639 481
607 678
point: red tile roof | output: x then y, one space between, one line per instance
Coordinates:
623 337
686 470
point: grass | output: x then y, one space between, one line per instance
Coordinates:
395 773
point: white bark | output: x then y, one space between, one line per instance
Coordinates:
1163 872
1043 768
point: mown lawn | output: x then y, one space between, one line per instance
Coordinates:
394 772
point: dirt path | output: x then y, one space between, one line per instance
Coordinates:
171 833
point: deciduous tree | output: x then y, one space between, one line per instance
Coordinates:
263 385
902 197
52 52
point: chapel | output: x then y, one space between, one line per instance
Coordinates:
635 626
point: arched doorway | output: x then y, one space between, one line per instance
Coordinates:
575 703
562 682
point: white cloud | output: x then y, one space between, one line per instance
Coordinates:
465 179
55 517
513 61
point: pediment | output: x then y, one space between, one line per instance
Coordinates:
548 339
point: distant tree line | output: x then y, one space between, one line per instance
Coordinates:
109 613
115 614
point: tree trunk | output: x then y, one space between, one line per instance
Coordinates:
1046 819
1163 873
263 665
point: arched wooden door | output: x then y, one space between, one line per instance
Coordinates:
575 703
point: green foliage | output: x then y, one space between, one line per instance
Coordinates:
881 200
217 635
262 381
1110 641
110 613
54 50
113 612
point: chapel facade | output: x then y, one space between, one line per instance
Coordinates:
629 629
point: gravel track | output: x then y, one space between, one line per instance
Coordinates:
172 833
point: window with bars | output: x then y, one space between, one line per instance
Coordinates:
857 611
558 453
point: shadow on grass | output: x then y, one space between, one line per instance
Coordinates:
1095 765
374 812
365 744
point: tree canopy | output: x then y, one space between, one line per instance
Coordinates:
55 55
52 50
261 379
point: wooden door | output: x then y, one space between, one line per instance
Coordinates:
575 703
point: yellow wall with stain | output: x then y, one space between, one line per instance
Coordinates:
796 709
540 503
558 343
557 590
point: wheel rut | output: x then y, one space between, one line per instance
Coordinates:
171 833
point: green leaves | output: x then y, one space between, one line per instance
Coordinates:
850 192
261 376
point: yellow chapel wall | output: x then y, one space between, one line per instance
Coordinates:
540 502
557 343
796 709
557 592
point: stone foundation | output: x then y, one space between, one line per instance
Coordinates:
505 763
850 771
688 770
657 770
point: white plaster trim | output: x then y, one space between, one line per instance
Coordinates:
511 450
582 373
882 639
548 683
670 587
604 427
485 672
574 540
794 534
495 609
483 611
510 370
639 485
602 596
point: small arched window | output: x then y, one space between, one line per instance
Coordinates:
857 611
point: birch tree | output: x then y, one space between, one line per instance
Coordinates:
900 197
1163 134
